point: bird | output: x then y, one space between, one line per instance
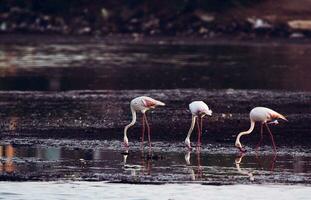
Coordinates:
198 110
141 104
263 115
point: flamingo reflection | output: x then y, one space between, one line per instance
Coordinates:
198 175
272 162
143 169
238 161
7 154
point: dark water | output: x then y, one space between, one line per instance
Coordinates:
54 64
91 160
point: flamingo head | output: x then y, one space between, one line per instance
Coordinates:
203 113
187 142
209 112
239 146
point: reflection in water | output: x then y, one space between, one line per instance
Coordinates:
198 174
271 162
68 67
6 157
238 160
144 168
13 123
50 163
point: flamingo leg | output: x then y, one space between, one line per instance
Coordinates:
274 147
261 136
273 162
201 129
199 133
143 131
148 129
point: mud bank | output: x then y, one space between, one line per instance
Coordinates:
103 114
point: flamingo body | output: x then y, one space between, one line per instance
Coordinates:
141 104
264 116
198 109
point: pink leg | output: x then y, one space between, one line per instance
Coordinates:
201 130
261 136
274 147
198 126
148 129
143 131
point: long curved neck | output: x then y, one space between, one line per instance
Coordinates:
132 122
251 128
191 127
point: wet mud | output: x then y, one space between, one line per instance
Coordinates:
103 114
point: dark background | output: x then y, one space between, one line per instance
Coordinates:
207 18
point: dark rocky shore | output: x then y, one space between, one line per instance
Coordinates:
207 19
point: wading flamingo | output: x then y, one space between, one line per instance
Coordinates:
198 110
141 104
263 115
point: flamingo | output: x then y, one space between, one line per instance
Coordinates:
263 115
198 109
141 104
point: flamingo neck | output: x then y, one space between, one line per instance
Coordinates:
251 128
130 124
190 130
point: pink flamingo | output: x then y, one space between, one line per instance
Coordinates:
263 115
141 104
198 110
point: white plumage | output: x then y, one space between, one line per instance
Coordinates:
264 116
198 109
141 104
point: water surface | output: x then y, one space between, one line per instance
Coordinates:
75 64
95 160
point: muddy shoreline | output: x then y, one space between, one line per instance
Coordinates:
104 113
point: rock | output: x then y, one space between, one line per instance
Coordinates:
203 30
105 13
152 23
300 24
204 16
3 26
259 23
297 35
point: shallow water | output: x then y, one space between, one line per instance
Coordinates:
95 160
